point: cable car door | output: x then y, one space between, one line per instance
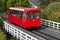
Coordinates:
24 20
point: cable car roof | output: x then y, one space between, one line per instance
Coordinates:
25 9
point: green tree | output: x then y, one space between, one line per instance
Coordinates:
13 3
25 3
45 3
3 6
52 12
10 3
1 23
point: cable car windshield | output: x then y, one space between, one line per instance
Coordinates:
33 15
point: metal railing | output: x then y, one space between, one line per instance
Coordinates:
19 32
49 23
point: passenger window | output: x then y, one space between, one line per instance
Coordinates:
17 13
14 13
24 15
20 14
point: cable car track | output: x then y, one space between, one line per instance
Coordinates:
43 35
46 33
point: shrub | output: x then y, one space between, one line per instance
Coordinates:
1 22
2 35
52 11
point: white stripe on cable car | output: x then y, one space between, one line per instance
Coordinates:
16 9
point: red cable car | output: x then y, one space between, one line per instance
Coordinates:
24 17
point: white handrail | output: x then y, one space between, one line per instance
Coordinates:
49 23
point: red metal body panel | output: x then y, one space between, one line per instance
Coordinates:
9 17
14 19
24 23
32 10
33 23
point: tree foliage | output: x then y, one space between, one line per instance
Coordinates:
4 4
45 3
12 3
52 12
1 23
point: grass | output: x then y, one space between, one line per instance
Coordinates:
10 37
6 36
2 35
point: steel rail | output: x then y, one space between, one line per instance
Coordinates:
43 35
47 33
51 32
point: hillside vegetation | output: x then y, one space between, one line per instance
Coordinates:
50 9
2 35
5 4
52 12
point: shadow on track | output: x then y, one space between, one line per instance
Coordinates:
37 28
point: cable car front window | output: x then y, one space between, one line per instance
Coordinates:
30 15
24 15
33 15
36 15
